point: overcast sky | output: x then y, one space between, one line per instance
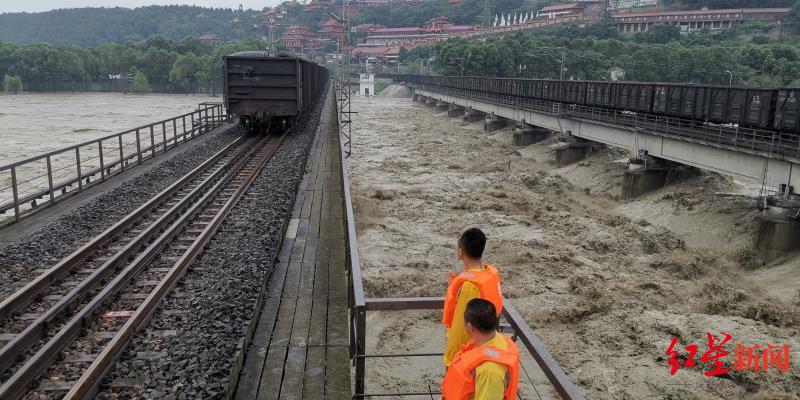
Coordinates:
45 5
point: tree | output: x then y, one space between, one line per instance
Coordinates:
12 84
792 18
661 33
140 83
184 71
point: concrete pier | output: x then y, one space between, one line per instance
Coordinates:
570 152
455 111
640 179
494 123
525 134
442 106
430 102
471 115
779 228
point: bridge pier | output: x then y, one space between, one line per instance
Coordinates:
471 115
494 123
570 149
779 228
442 106
526 134
644 176
416 97
430 102
455 111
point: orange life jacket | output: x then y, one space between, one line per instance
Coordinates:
488 282
459 380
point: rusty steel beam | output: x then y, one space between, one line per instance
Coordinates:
404 303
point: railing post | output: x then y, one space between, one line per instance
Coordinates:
78 163
15 192
164 135
152 141
102 164
361 346
174 132
183 118
50 179
121 155
193 125
138 146
797 154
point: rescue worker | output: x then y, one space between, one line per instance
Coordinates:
488 367
477 280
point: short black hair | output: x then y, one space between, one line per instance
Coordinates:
473 241
481 314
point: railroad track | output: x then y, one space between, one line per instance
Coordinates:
67 327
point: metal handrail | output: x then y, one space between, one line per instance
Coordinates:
357 323
557 377
148 138
358 306
111 136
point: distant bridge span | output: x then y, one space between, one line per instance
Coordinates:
746 154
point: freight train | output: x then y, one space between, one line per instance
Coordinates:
268 92
758 108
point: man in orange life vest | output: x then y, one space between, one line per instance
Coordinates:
488 367
477 280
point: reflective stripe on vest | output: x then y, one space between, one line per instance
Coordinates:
459 380
488 282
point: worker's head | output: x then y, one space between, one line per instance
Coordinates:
480 318
471 244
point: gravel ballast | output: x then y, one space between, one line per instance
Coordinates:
20 260
196 331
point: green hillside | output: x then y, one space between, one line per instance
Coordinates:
91 27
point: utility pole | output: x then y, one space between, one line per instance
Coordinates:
486 14
563 57
730 82
272 25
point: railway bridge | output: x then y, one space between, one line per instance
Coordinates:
767 158
239 278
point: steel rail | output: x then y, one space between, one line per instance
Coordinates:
89 382
37 364
25 294
35 330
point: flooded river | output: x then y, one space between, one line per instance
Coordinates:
34 123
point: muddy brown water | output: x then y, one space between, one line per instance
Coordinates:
35 123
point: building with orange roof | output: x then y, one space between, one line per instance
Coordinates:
332 30
560 10
697 19
298 39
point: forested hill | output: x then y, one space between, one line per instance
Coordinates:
95 26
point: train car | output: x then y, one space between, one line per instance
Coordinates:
787 110
632 96
755 108
263 91
599 94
